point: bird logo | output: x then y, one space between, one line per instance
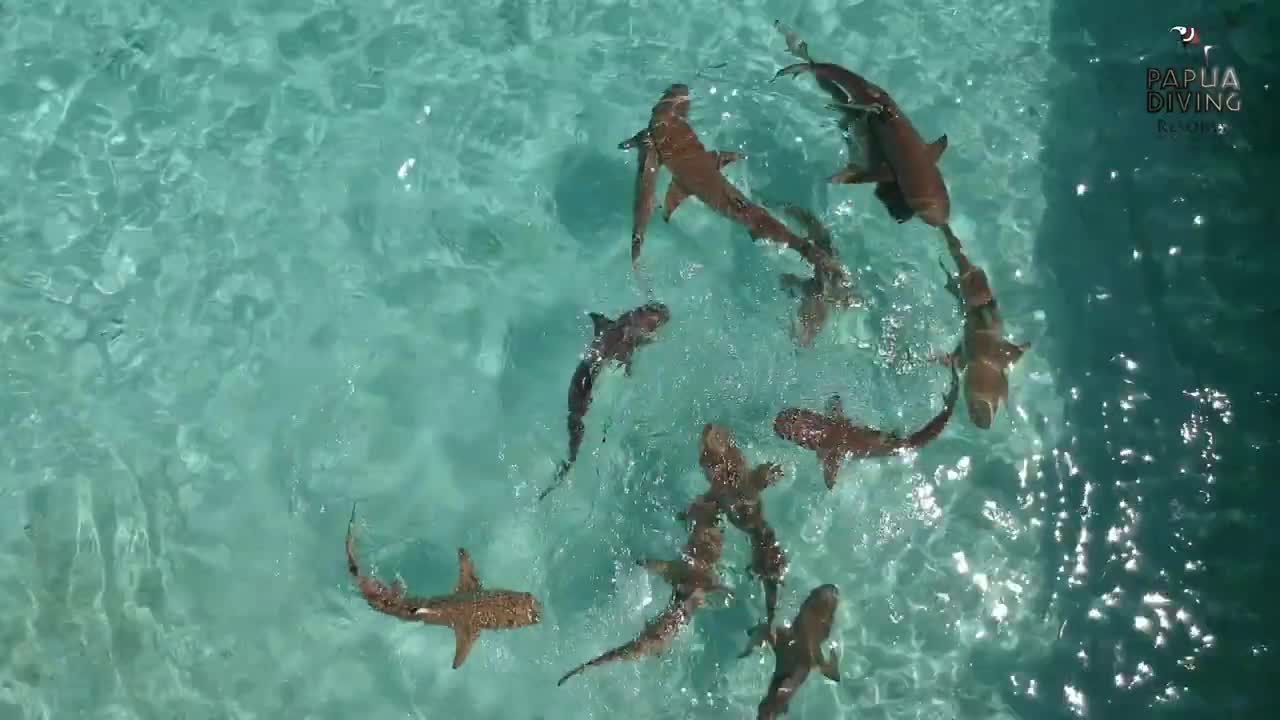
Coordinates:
1186 35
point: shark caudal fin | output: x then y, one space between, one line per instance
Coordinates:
562 471
635 141
757 637
795 45
953 243
793 70
934 427
353 565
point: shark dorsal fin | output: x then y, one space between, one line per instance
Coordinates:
764 475
599 323
467 580
1011 353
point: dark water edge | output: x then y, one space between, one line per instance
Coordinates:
1193 455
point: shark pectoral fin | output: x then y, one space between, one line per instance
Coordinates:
831 461
780 636
765 474
675 195
830 666
937 147
792 70
1013 352
635 141
953 359
857 175
835 405
725 593
864 108
599 323
668 570
757 637
465 636
467 580
724 157
793 283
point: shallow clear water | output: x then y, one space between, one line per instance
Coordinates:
263 260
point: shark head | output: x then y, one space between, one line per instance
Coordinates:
823 599
982 408
818 611
531 609
986 385
717 439
676 100
648 319
805 428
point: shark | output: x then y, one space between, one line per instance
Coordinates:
834 437
468 610
797 650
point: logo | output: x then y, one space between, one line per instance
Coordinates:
1189 89
1186 35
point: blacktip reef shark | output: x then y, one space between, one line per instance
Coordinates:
615 340
470 608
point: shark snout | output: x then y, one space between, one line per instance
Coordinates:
716 438
802 427
982 412
677 99
822 602
828 593
653 316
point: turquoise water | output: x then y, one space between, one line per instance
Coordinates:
263 260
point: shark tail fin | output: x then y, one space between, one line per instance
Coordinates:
353 565
934 427
793 70
953 243
758 636
795 45
571 673
619 653
561 473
